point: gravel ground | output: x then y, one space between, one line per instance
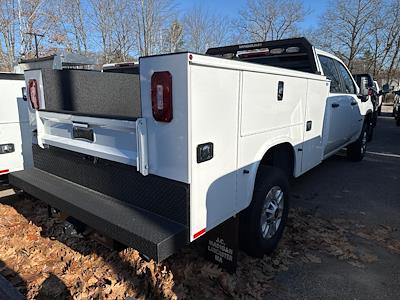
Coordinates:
342 242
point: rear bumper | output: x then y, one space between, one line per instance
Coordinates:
151 234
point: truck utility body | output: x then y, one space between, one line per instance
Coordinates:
159 170
15 137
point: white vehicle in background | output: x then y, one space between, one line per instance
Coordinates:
159 158
123 67
15 130
380 96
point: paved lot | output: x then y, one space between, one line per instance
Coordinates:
367 193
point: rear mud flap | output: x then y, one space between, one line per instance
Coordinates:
222 244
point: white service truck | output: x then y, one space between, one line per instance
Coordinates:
157 159
15 131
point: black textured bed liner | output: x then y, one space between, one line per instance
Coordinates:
151 234
92 93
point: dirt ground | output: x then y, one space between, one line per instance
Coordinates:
342 241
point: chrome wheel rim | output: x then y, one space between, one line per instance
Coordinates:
272 212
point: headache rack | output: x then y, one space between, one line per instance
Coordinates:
59 61
296 54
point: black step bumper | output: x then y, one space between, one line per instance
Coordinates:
151 234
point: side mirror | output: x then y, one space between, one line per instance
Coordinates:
362 97
364 85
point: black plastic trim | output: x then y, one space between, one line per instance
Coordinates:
12 76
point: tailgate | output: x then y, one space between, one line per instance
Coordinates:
116 140
89 112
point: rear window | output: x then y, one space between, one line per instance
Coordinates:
348 85
298 62
330 71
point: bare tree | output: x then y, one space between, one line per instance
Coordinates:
124 31
152 17
74 25
104 24
390 37
36 16
173 40
345 28
18 17
262 20
203 30
9 32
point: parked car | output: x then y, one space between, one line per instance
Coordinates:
157 159
380 96
396 107
15 136
366 83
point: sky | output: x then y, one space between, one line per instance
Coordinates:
231 8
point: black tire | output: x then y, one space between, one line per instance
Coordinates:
356 151
269 181
398 121
371 124
370 132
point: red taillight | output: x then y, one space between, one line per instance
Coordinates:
33 94
370 92
161 96
4 171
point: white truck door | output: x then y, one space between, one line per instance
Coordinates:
353 112
317 93
338 111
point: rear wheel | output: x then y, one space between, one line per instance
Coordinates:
356 151
263 222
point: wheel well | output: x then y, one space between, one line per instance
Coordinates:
280 156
